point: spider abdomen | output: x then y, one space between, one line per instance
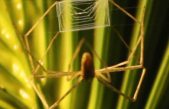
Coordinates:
87 66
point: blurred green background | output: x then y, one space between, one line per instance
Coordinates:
16 91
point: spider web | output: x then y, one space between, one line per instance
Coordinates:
83 14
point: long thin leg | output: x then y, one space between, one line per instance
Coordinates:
40 19
27 47
98 57
48 48
134 97
79 46
39 93
55 74
109 85
139 84
111 68
120 64
104 77
121 38
123 10
106 71
141 39
31 29
118 69
41 59
36 89
76 52
62 97
95 53
131 52
52 74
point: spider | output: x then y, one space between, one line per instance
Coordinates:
87 70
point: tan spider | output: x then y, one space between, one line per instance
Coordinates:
87 67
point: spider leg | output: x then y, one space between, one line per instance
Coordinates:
27 47
102 62
121 38
139 84
38 62
120 64
123 10
56 103
141 35
41 59
103 77
39 93
140 41
109 77
55 74
35 87
109 85
40 19
74 57
118 69
141 57
50 73
134 97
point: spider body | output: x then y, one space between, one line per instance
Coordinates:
87 66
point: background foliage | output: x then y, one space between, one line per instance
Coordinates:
16 92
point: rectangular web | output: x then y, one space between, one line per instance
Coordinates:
84 14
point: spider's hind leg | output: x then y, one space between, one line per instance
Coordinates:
109 85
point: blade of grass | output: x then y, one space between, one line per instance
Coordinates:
15 9
13 59
5 105
66 55
159 85
97 90
18 69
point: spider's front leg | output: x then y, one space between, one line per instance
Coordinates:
32 60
